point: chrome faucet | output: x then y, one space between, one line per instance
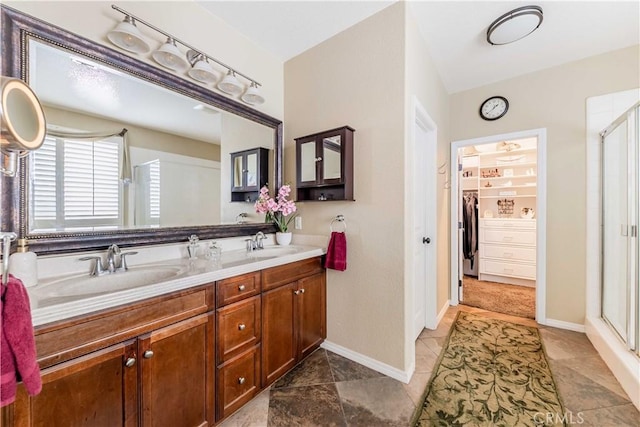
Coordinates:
258 240
116 261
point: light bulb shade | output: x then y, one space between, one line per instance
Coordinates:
128 37
169 56
514 25
22 122
252 95
202 72
230 84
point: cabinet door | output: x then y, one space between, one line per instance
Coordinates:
96 390
238 326
251 172
312 301
237 172
308 162
279 344
176 371
331 160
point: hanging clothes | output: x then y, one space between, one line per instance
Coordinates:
470 225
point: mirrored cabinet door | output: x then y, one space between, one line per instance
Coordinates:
324 163
250 171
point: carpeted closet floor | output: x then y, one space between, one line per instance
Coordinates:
499 297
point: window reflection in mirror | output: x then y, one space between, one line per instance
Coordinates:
331 157
179 150
308 161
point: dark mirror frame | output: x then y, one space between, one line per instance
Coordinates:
17 30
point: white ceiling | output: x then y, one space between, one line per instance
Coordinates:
454 31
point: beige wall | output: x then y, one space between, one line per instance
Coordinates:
555 99
356 78
186 20
423 81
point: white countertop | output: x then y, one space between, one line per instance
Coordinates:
46 309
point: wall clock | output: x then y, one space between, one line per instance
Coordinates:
493 108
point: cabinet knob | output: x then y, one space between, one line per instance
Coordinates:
318 159
241 380
241 327
296 292
302 291
148 354
241 288
130 362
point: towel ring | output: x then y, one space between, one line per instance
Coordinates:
338 219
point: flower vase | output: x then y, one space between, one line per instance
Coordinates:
283 239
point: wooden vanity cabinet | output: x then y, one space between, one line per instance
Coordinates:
159 371
294 315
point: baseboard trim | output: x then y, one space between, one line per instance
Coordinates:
367 361
564 325
443 311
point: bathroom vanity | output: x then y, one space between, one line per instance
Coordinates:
188 357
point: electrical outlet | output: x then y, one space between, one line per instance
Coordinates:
298 223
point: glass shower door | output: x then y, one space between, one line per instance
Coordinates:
619 227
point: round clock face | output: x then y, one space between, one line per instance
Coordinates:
494 108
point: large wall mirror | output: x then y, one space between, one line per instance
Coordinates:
133 154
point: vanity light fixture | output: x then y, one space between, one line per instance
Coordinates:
514 25
252 95
230 84
128 37
169 56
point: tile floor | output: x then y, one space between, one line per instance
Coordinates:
329 390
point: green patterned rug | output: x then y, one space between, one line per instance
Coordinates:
491 373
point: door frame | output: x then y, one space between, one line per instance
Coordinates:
541 213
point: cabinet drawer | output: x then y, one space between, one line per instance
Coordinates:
528 224
513 253
237 288
238 327
524 271
515 237
238 381
288 273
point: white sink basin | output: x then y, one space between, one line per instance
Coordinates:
84 284
272 252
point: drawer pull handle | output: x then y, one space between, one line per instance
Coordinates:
148 354
241 380
297 292
241 327
130 362
241 288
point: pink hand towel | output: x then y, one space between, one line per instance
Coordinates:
17 343
337 252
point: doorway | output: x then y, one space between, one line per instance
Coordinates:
498 217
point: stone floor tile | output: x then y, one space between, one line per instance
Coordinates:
425 358
315 405
563 344
616 416
344 369
375 402
417 386
595 369
253 414
434 344
313 370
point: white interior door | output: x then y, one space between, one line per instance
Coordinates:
423 246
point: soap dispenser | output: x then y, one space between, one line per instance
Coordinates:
214 253
192 247
23 264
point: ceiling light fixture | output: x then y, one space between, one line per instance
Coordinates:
514 25
128 37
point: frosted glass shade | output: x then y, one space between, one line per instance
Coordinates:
230 84
202 72
169 56
128 37
514 25
252 95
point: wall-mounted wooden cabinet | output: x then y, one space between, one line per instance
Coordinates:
249 172
324 165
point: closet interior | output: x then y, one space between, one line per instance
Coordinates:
498 190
